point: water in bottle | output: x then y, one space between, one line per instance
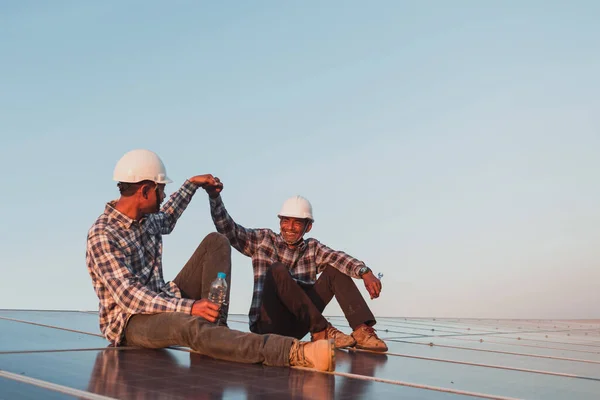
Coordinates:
218 292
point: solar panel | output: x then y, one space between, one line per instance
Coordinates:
17 336
79 321
59 354
11 389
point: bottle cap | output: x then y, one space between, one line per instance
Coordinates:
221 275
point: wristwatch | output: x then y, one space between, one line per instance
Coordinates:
363 271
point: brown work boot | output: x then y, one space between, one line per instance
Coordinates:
367 339
319 355
340 339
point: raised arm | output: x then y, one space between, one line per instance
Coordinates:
164 221
244 240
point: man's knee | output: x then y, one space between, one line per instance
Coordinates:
278 271
216 239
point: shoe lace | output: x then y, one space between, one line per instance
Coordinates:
332 332
298 357
370 331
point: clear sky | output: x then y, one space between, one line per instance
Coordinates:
452 146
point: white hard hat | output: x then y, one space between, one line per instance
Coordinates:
296 207
140 165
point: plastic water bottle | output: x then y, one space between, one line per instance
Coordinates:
218 292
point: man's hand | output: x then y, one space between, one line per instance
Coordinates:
372 284
206 309
211 184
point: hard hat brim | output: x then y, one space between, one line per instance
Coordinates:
295 216
128 180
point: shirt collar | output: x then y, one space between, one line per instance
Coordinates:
117 216
301 246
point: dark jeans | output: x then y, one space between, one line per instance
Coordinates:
179 329
293 309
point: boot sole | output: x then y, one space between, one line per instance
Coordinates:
379 349
352 344
332 353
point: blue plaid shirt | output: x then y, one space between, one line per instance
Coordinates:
265 247
124 260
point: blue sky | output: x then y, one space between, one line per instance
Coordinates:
452 146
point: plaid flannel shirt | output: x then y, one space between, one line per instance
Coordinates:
124 260
265 247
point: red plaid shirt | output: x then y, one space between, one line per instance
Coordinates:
124 260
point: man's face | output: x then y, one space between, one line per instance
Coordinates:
292 229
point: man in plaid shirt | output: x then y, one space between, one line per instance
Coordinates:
138 308
288 298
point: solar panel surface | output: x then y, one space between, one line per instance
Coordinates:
61 354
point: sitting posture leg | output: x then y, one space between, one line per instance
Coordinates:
179 329
285 307
331 283
212 256
290 308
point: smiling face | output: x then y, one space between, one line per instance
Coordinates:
293 229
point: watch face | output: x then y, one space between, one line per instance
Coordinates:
363 271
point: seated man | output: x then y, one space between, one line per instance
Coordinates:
137 307
288 299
